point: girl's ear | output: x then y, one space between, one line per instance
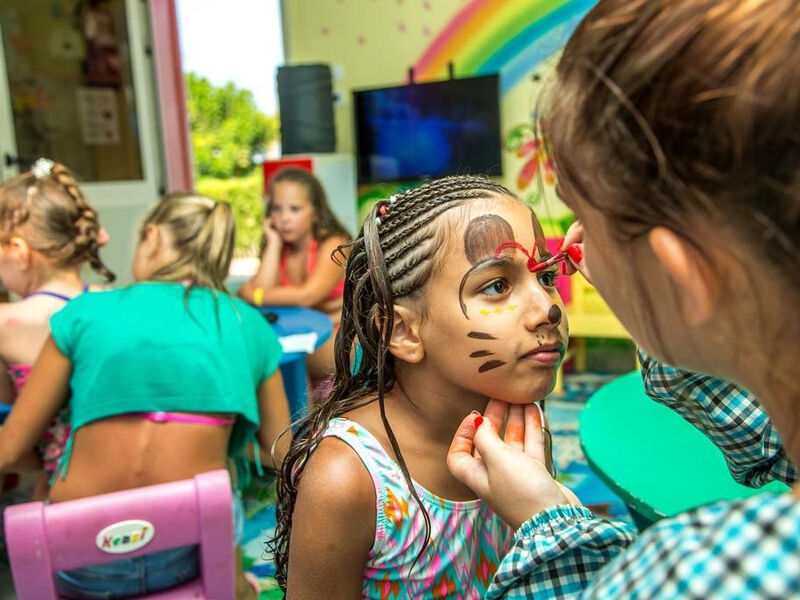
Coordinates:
405 343
151 240
21 252
688 274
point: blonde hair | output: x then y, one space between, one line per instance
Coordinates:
51 214
203 231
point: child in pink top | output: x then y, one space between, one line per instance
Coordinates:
48 231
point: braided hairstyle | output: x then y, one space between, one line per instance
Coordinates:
51 214
392 257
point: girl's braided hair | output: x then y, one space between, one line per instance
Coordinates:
50 212
392 257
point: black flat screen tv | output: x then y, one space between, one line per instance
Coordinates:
426 130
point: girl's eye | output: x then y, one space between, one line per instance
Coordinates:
547 278
496 288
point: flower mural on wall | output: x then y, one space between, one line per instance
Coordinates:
537 169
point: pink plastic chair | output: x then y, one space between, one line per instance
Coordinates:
45 538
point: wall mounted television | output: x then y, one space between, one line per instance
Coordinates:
424 130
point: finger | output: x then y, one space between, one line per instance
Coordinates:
574 235
465 467
491 447
462 440
515 427
534 442
495 413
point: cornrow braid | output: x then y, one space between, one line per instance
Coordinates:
392 257
87 226
59 222
406 239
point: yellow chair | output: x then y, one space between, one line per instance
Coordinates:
589 317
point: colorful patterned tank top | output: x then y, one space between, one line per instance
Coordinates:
467 539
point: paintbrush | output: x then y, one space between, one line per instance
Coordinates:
546 264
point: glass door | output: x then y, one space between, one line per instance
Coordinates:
76 86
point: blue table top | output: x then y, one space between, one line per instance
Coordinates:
297 319
4 410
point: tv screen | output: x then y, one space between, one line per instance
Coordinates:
428 130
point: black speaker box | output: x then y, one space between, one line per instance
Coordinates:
305 97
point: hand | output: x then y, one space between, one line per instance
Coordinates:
573 241
510 475
271 234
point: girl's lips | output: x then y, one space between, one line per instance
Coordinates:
547 354
546 357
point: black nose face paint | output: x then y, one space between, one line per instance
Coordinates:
554 315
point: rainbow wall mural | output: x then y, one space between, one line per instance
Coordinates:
509 37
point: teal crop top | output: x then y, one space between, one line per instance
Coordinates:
148 348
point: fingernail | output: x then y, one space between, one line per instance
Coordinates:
563 269
575 253
478 421
560 244
475 412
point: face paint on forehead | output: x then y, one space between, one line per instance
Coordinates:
481 238
483 235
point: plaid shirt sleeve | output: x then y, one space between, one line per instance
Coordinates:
730 416
743 549
557 552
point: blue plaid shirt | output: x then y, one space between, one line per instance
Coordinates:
743 549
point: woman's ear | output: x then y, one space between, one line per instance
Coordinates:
688 274
405 343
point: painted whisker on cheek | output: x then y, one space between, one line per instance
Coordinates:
481 353
480 335
489 365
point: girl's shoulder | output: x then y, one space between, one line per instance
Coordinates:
339 479
364 439
28 311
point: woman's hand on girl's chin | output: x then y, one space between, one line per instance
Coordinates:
509 474
573 242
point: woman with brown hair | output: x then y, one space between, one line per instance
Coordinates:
676 137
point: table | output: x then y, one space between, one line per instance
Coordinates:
293 320
4 410
657 462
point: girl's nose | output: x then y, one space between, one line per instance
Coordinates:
539 309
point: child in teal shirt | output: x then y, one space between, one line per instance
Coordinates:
167 378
